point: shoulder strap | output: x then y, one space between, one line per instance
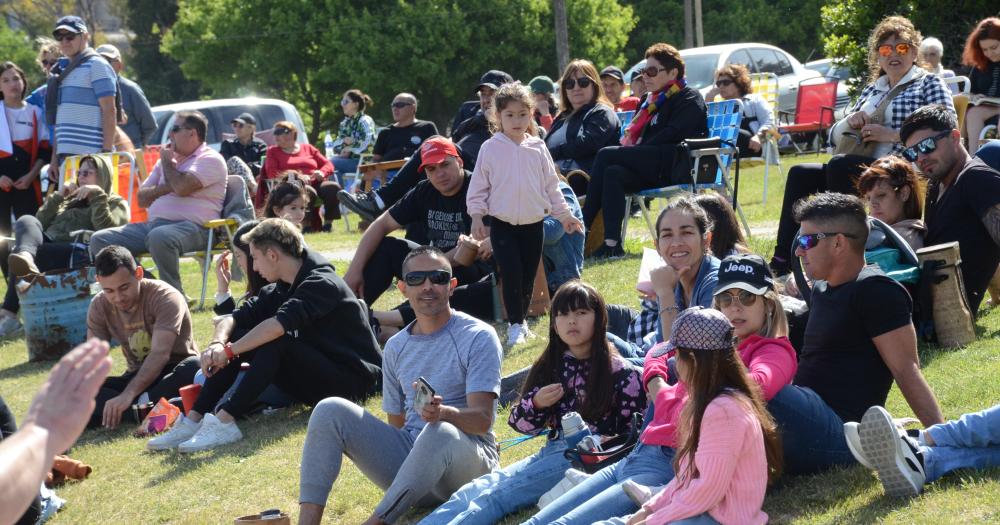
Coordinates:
880 109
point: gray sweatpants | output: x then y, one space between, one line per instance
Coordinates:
413 472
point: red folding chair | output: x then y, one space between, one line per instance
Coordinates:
814 108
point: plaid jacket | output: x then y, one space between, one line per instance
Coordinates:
361 128
644 323
928 89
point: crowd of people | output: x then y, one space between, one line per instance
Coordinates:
709 377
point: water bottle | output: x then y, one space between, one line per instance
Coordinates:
328 145
574 429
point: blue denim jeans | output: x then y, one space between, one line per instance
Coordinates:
812 434
488 498
971 441
601 496
702 519
342 166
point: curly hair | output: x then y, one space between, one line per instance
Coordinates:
898 174
898 26
972 55
740 76
587 69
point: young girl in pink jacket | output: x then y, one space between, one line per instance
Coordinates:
515 183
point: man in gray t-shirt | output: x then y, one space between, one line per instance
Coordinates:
423 454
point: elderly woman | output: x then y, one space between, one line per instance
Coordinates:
313 168
587 121
931 52
897 87
670 112
732 81
982 53
889 186
356 133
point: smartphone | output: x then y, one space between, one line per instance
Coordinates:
425 393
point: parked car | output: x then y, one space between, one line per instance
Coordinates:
831 69
221 112
701 64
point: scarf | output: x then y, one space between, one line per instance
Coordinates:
653 103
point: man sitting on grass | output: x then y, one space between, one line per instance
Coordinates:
429 447
306 332
859 338
152 321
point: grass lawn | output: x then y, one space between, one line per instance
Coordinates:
130 485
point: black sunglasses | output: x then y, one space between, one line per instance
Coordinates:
926 146
416 278
400 105
571 83
723 82
281 131
176 128
652 71
811 240
744 297
49 63
65 37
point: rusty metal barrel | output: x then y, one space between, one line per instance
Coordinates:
54 309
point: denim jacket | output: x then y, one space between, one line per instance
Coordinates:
562 253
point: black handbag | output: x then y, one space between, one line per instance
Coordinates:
708 166
613 451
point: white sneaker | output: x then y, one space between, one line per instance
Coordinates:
526 330
897 458
639 494
11 327
854 444
213 433
515 334
183 430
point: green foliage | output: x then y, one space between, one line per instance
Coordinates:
16 47
159 75
309 53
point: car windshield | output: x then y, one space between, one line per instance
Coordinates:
699 70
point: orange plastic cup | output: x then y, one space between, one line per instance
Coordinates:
188 396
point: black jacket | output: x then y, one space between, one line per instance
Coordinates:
250 153
470 136
320 310
683 117
600 128
465 111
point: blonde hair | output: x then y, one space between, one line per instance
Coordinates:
506 94
775 320
587 69
277 234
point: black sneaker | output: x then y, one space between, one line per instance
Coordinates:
361 203
607 252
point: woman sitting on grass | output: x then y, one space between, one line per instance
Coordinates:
889 186
578 372
224 301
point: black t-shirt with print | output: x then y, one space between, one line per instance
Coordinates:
957 215
440 219
395 143
839 361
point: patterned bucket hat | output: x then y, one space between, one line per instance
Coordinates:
700 328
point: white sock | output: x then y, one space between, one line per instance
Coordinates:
378 200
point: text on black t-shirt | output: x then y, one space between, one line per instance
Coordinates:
442 218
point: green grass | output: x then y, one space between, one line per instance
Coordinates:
129 485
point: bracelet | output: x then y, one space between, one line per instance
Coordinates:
228 349
668 309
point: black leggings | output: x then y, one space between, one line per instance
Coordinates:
517 251
838 175
618 171
387 262
167 385
48 255
21 202
300 370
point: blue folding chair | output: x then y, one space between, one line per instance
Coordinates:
724 119
625 118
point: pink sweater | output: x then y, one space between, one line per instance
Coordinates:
731 470
771 364
516 183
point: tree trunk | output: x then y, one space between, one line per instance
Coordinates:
688 30
698 36
562 33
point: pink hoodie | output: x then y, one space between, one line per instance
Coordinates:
516 183
771 364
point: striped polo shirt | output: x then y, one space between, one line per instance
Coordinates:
78 119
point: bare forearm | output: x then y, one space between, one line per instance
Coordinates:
148 195
108 122
183 184
224 329
469 420
150 370
919 396
263 333
25 458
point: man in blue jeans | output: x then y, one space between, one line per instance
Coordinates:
859 338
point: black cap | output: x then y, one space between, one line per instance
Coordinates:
73 24
613 71
245 118
494 79
746 272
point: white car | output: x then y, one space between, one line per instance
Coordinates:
829 68
701 63
221 112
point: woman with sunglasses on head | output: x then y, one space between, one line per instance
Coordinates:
898 86
891 189
982 53
732 81
668 114
356 133
586 123
313 169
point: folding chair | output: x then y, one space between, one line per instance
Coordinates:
766 85
724 119
116 160
814 108
961 98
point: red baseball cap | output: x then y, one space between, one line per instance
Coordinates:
435 150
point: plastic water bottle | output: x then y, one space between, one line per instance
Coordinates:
574 429
328 145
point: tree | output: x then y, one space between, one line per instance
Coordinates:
309 53
37 17
159 75
16 47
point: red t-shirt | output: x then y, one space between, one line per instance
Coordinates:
627 104
307 160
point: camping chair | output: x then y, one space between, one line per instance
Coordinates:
960 99
766 85
723 123
117 160
814 109
625 118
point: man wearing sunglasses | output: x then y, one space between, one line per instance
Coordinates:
431 444
406 133
859 338
963 195
245 144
